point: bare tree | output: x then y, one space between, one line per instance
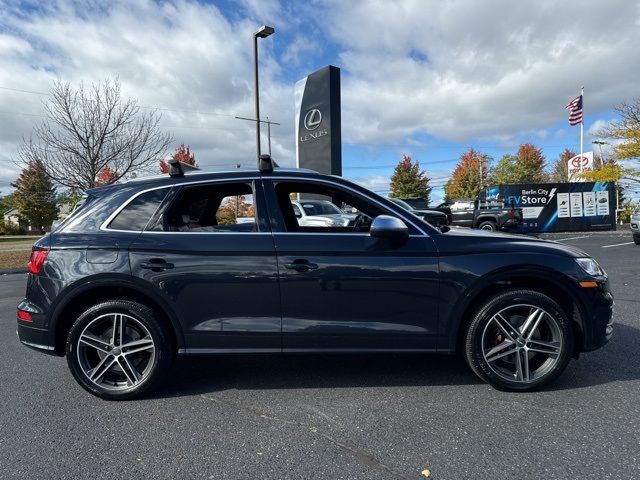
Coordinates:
88 131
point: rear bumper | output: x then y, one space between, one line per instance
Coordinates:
36 338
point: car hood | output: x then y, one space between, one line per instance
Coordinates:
471 241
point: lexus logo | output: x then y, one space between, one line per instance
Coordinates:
312 119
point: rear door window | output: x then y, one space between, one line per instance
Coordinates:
217 207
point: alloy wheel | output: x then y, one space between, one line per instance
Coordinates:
116 351
522 343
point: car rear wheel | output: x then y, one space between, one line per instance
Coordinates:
519 340
636 239
118 349
488 225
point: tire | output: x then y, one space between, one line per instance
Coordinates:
636 239
488 225
122 366
510 359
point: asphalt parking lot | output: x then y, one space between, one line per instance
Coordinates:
333 417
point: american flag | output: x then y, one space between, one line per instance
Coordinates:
575 110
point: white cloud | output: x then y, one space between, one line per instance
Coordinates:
460 71
482 68
184 56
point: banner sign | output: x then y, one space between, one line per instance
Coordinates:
561 207
318 123
575 164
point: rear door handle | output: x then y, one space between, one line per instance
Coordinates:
301 265
156 265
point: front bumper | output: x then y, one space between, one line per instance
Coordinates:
597 319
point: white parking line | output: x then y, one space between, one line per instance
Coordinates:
573 238
617 245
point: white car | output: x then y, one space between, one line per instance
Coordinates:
321 213
635 225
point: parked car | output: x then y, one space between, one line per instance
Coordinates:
434 217
635 225
486 215
417 203
145 271
321 213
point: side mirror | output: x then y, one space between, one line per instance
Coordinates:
392 228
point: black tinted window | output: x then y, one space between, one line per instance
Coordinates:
139 211
218 207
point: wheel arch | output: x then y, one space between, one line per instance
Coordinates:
549 282
91 291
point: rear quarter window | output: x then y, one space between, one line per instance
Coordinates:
137 213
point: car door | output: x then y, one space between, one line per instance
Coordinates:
210 253
342 289
462 213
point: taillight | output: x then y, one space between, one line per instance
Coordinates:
38 257
512 214
24 316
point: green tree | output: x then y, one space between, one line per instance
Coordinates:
409 181
469 176
70 196
626 129
527 166
8 202
36 196
505 170
560 173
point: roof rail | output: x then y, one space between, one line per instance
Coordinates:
177 168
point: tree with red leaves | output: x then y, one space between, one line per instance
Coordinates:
183 155
560 169
469 175
106 176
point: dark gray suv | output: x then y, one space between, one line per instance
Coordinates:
217 263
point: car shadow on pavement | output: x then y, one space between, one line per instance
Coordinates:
616 361
199 375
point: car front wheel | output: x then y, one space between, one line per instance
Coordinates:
118 349
519 340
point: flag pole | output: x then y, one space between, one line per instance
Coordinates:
581 126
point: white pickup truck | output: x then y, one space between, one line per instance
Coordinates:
321 213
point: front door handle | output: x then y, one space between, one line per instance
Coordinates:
157 265
301 265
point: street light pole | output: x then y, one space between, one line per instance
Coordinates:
600 143
263 32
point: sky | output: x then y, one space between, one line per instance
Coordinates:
425 78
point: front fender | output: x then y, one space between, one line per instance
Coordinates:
460 296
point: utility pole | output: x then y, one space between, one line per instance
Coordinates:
268 122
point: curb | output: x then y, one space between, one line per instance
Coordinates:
8 271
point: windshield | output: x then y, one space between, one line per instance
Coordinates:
320 208
402 203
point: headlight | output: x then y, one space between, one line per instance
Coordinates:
590 266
